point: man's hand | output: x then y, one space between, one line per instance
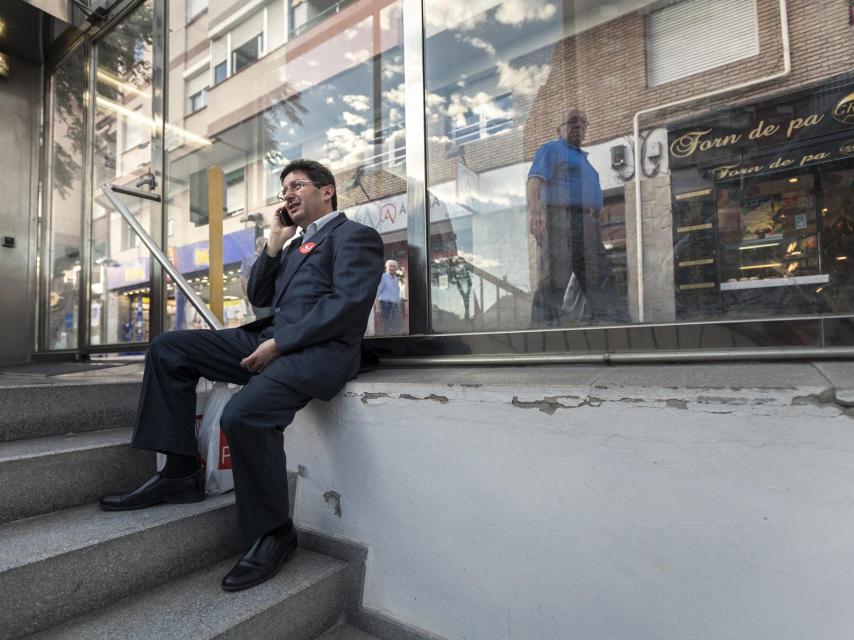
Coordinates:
261 358
537 224
279 233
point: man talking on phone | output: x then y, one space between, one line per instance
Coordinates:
321 289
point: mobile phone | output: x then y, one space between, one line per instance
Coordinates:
284 217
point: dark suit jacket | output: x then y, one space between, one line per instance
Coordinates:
321 301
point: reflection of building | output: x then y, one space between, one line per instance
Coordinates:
501 102
279 80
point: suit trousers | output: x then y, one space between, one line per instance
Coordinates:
253 420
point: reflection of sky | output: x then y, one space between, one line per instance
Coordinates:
331 122
457 53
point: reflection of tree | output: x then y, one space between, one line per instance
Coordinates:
458 271
123 55
276 136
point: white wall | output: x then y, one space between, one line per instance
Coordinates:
638 509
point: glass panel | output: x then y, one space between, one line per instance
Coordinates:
741 200
338 99
124 127
63 258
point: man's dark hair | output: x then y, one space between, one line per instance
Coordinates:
316 172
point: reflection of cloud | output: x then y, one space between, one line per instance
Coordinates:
397 95
395 115
330 100
476 42
391 69
483 104
525 80
516 12
357 102
435 101
457 110
446 15
353 120
351 34
345 148
357 57
453 14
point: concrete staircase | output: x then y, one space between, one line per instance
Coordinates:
70 570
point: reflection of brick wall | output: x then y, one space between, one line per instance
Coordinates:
378 185
604 69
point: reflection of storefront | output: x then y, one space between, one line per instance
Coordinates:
129 285
762 206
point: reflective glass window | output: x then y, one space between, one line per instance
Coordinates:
122 155
548 209
63 258
317 80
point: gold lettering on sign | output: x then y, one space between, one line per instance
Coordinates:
801 123
734 171
814 157
847 148
781 163
763 131
844 111
689 143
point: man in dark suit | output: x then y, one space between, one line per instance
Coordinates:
321 289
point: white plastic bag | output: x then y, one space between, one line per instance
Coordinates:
574 305
214 454
213 445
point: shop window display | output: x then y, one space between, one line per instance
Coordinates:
534 223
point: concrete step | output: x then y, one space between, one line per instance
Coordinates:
64 564
306 598
52 407
41 475
346 632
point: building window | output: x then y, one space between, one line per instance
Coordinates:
220 72
247 53
307 13
235 192
133 131
196 90
195 8
694 36
198 100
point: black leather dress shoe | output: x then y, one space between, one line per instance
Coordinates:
156 490
262 561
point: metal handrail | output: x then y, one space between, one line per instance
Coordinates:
110 190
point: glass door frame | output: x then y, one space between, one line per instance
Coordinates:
89 40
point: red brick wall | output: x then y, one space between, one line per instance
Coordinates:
603 70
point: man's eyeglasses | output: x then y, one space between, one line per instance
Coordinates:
294 186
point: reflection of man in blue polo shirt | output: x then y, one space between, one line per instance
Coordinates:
564 200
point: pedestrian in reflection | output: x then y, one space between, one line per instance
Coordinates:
388 295
246 271
572 280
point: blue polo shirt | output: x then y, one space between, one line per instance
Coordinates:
570 179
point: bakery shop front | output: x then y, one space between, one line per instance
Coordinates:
763 207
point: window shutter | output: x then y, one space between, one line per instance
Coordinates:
698 35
